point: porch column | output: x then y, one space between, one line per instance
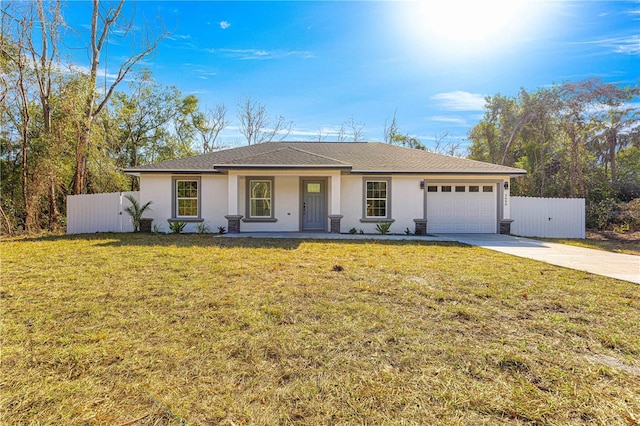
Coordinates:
506 202
506 221
334 216
335 194
232 194
232 216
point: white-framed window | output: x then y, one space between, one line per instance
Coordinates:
187 198
260 205
376 198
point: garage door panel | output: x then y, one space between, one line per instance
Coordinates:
461 212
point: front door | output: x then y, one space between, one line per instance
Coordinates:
314 216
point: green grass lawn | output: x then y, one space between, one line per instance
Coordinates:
265 332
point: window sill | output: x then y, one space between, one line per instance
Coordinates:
185 219
265 219
376 220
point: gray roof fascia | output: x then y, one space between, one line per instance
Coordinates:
447 172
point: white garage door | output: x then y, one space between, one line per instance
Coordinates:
461 208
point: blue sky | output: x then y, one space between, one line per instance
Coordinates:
319 64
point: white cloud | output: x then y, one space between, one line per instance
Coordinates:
460 101
629 45
224 25
178 37
249 54
453 120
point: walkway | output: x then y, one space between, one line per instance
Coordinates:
621 266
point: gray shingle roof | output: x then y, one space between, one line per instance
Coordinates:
358 157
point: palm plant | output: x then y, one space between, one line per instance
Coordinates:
136 211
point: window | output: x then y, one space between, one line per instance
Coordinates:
313 188
260 198
432 188
474 188
460 188
376 199
446 188
487 188
187 198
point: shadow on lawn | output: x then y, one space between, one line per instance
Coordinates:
108 239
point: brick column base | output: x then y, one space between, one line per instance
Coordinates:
421 226
505 226
145 225
233 221
335 223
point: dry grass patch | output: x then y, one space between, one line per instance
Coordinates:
250 331
616 242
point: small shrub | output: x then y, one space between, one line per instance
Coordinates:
221 230
361 231
202 228
599 214
177 226
353 230
136 210
383 227
157 229
627 217
407 231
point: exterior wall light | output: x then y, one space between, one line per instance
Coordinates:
421 184
506 185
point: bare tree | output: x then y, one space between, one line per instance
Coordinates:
209 125
320 137
393 136
392 129
342 133
104 21
443 145
257 127
356 128
350 129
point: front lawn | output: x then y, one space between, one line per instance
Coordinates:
626 243
265 332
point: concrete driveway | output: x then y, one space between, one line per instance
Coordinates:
614 265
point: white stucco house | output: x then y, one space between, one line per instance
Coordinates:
329 187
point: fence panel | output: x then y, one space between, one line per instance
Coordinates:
99 213
548 217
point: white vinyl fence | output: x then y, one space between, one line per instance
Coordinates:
548 217
99 213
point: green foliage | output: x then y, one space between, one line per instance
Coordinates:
202 228
353 230
221 230
135 210
407 231
627 217
600 213
574 140
383 227
176 226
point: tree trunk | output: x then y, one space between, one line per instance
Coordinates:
613 142
80 174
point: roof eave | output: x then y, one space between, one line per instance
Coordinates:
439 172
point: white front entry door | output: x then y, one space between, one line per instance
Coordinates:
462 208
